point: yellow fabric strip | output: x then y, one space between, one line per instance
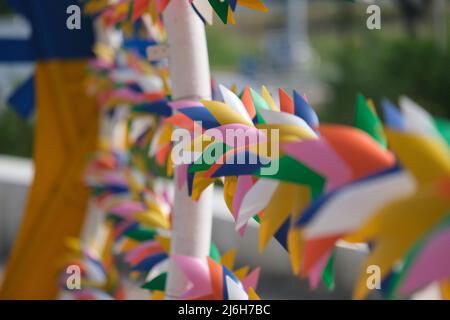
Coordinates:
66 133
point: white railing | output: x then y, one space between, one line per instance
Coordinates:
16 175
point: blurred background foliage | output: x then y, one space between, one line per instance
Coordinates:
4 9
417 68
407 56
16 135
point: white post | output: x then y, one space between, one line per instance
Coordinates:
190 76
297 29
440 22
93 222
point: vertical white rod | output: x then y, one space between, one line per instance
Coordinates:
190 76
93 222
297 25
440 22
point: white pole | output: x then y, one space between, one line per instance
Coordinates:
297 29
440 22
190 76
92 229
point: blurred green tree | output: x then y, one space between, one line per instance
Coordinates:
379 68
4 8
16 134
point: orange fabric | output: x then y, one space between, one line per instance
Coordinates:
66 133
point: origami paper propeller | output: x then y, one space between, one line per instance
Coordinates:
251 113
422 152
312 156
372 159
346 175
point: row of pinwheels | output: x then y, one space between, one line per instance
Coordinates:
135 235
331 183
314 199
385 185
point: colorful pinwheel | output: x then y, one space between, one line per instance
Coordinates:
424 153
307 183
